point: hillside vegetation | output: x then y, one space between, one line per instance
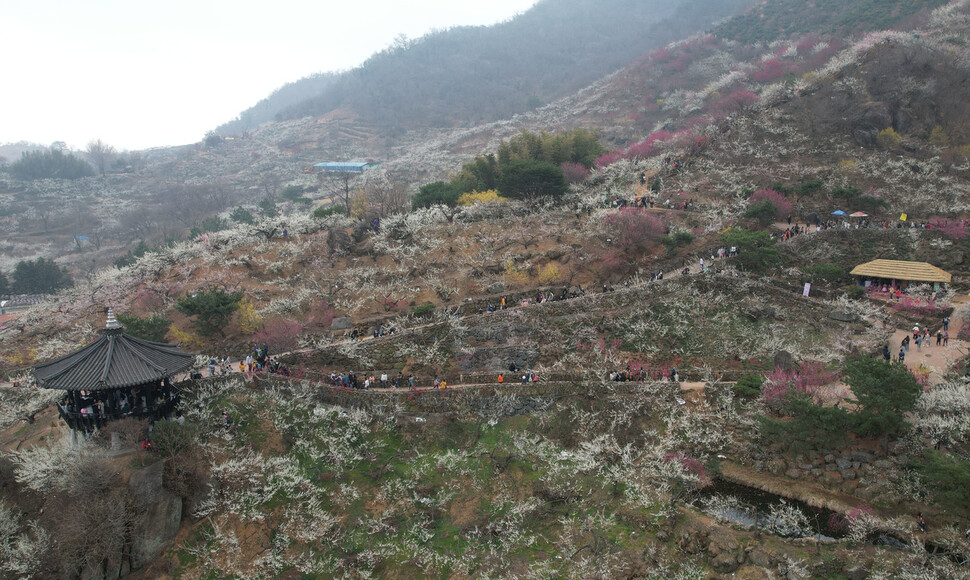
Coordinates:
695 414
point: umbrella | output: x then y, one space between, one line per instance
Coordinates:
859 214
839 212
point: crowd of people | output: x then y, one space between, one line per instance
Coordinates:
351 380
921 337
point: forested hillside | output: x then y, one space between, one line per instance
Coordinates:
774 20
468 75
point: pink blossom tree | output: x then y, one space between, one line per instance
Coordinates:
632 233
804 380
574 172
736 101
951 228
771 70
280 334
783 207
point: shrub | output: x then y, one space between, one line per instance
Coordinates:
549 273
849 167
888 139
423 309
810 187
939 137
480 197
325 212
824 272
856 292
677 239
242 215
756 250
947 477
847 193
209 224
247 318
437 193
868 203
811 426
211 308
917 306
763 212
749 385
153 328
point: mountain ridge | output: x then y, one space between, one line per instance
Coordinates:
466 75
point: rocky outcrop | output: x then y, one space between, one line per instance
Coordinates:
499 358
158 515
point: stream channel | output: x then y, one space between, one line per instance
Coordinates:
754 508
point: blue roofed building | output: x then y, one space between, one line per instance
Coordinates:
343 166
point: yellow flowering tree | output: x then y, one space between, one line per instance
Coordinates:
487 196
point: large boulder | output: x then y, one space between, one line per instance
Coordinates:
784 361
338 240
341 324
842 316
158 513
361 231
726 555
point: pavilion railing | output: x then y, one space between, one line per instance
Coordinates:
97 420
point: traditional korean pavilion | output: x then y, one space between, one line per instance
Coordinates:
115 376
900 274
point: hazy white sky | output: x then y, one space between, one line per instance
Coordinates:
147 74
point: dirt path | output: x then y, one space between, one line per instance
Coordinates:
936 359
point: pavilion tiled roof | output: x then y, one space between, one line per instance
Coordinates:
902 270
115 360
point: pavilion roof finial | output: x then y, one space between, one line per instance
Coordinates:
112 321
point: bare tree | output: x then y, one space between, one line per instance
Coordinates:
271 183
101 154
45 209
338 185
385 197
85 222
137 223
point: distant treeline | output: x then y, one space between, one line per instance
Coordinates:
50 164
469 75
